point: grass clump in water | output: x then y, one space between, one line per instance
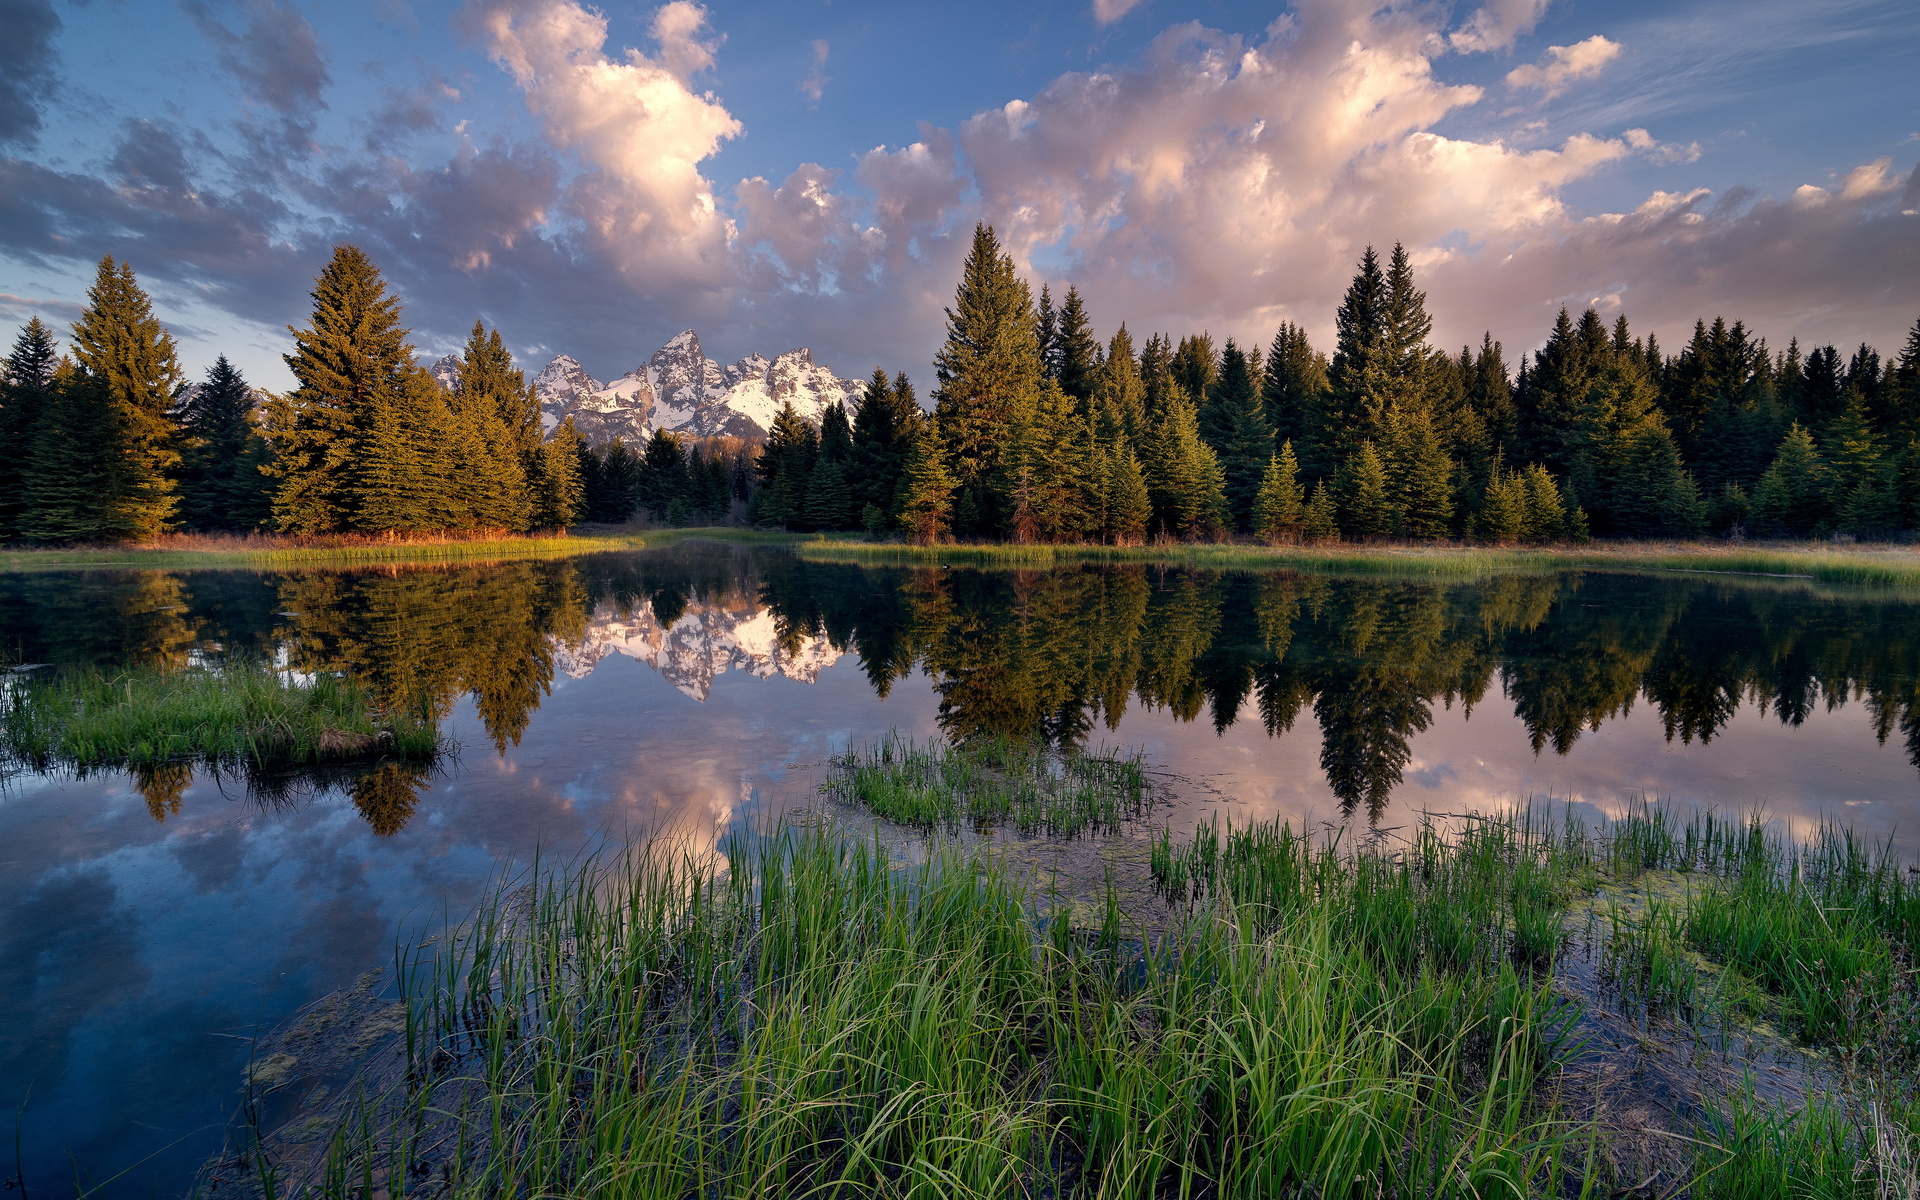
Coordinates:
994 782
817 1020
238 712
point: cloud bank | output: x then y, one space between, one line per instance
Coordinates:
1219 182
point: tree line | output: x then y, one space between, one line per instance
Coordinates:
109 443
1040 431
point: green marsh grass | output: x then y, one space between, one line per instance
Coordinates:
995 781
1877 566
817 1020
239 712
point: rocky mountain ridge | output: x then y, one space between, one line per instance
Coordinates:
681 390
706 640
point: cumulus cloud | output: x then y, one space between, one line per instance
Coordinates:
635 122
1216 181
1563 65
1106 12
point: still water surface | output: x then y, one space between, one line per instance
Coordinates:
150 923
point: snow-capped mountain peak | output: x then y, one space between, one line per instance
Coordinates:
681 390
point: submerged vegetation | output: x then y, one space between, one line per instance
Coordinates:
241 712
813 1012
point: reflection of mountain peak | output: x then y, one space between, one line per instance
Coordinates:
706 641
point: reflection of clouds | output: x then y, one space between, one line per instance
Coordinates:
1830 765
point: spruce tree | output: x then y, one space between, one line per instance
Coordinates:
346 440
1234 423
1279 508
663 474
784 469
830 500
1195 367
1650 493
1547 515
1075 348
1354 404
557 490
1120 396
1293 383
1503 515
496 430
119 342
85 482
882 430
1367 510
1184 480
1404 331
1128 505
1792 498
1420 487
26 394
925 501
1319 522
221 485
989 374
1046 332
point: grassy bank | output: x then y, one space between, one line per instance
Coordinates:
1873 565
241 712
807 1013
267 551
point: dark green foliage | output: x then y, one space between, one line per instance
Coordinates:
784 469
1234 422
924 503
222 485
1279 508
119 342
26 393
829 499
989 373
86 483
494 431
1183 476
1075 349
1367 510
1793 499
883 429
1353 406
1420 477
556 480
1119 394
1195 367
1293 384
662 475
610 481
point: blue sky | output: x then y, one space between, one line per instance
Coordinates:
806 173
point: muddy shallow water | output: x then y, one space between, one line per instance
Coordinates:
151 924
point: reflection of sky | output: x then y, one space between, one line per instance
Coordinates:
131 950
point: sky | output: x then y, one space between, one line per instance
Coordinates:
592 180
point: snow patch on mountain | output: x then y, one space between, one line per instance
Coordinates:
681 390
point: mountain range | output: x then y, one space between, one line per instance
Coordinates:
681 390
704 641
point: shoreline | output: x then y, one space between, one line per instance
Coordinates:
1879 564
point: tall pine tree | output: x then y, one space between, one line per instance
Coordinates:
26 394
221 484
121 344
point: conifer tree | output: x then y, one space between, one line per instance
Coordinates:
1128 507
558 494
1650 493
1279 509
1234 423
1047 474
925 502
1293 383
989 374
1420 485
1319 522
1404 352
221 484
785 469
1156 376
1047 335
1195 366
1547 516
85 482
1490 394
491 437
354 443
119 342
26 394
1503 515
1075 348
1792 498
1184 480
830 501
1120 397
610 479
1354 403
663 474
882 430
1367 510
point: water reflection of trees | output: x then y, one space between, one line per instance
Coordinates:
1062 653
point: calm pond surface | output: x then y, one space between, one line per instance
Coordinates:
150 924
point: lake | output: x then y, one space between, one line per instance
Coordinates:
152 922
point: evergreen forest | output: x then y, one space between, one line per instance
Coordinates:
1039 431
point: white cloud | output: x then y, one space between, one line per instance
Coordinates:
1563 65
635 123
1496 24
1106 12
